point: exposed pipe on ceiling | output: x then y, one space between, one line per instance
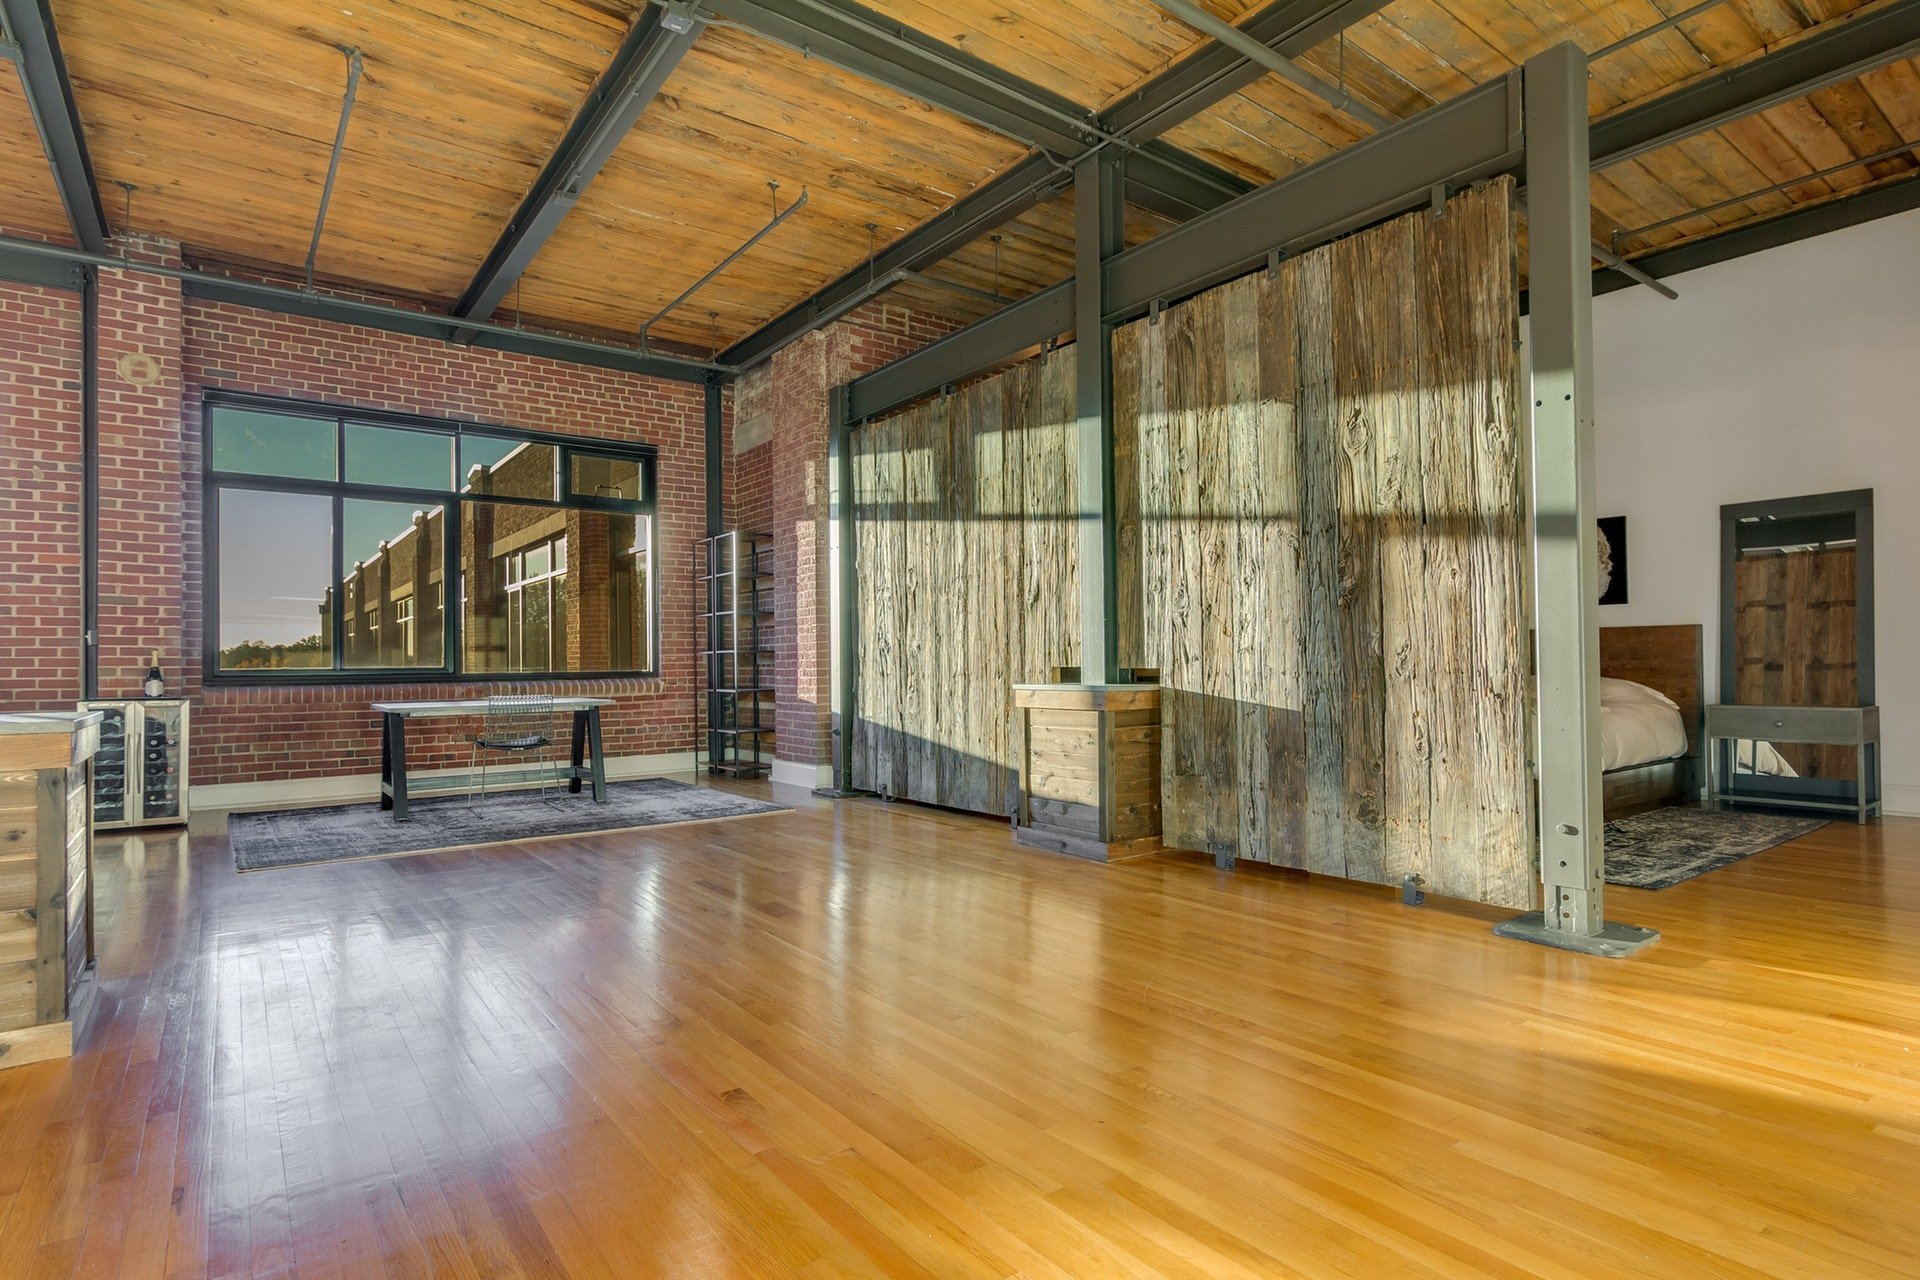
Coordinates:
1609 258
354 67
1672 20
1891 153
779 216
1335 96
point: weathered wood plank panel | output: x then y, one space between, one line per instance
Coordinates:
1330 542
1182 709
1325 723
1498 866
1218 600
1281 543
1126 500
1407 617
1448 395
1361 310
969 581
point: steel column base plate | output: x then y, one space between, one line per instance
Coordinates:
1614 940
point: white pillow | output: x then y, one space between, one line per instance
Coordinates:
1620 692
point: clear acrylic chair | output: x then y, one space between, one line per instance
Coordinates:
517 724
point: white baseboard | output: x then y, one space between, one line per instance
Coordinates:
351 788
1900 801
794 773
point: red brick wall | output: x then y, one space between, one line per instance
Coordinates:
143 569
249 734
782 485
40 353
151 572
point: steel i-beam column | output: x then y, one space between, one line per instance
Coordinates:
845 597
1566 554
1099 234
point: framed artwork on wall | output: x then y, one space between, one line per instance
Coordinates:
1613 559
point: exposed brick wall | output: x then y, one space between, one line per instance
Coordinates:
253 734
151 571
782 485
142 559
40 354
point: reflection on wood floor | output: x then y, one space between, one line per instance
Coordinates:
881 1041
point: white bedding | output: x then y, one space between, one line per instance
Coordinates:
1639 725
1639 732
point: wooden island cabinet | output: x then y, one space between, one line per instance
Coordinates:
1089 759
46 882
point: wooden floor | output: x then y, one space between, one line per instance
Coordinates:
880 1041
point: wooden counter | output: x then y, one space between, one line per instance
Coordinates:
1089 768
46 882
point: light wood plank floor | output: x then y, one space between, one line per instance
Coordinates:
881 1041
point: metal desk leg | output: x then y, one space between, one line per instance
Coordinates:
386 760
599 756
397 735
579 745
1713 774
1860 780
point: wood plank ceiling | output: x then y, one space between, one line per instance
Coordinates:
221 118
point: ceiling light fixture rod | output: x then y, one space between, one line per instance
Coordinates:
333 163
1279 63
780 215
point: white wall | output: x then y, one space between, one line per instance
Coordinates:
1787 372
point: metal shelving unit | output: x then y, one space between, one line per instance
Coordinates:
734 707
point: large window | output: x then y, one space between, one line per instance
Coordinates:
332 539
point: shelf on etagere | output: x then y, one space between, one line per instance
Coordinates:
734 582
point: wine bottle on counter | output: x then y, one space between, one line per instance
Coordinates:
155 686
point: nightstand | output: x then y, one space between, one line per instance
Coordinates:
1856 727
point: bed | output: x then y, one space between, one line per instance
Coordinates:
1650 717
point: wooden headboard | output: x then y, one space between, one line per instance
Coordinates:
1663 658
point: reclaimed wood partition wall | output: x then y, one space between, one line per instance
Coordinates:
1325 562
968 580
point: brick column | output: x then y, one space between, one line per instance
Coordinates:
780 484
142 568
40 354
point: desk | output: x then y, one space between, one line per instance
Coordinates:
1856 727
393 746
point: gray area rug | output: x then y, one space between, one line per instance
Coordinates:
299 837
1663 847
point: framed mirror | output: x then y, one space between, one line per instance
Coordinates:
1796 630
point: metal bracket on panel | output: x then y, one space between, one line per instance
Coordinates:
1154 309
1410 892
1274 258
1223 859
1438 195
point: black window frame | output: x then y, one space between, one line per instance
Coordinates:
339 490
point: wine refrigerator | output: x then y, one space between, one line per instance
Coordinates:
140 772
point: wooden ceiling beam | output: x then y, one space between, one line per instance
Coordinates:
649 54
1190 86
31 42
